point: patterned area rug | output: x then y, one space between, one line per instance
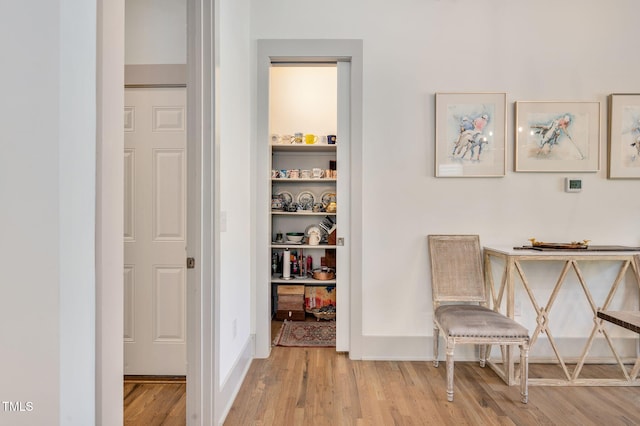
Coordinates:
315 334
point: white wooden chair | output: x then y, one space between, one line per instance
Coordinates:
460 305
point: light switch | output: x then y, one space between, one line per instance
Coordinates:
223 221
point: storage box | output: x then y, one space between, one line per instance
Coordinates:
290 315
290 289
290 304
315 297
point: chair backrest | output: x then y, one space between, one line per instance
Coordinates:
456 269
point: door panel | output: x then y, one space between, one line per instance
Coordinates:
155 231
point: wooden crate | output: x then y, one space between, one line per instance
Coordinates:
290 315
290 304
290 289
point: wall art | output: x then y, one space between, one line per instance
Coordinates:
557 137
470 134
624 136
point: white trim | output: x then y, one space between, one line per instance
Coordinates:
201 232
109 208
420 348
163 75
343 186
77 214
231 386
308 51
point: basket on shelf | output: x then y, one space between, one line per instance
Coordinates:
324 315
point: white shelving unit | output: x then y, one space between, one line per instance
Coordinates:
302 157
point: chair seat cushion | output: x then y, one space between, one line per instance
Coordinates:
476 321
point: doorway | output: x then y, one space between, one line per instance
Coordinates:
201 298
347 55
303 100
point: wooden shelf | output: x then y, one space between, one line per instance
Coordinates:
302 213
300 180
303 246
303 148
275 279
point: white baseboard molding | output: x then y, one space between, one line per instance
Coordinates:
231 386
420 348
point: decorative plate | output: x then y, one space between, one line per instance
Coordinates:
286 197
306 199
326 197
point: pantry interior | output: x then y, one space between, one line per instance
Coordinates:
303 144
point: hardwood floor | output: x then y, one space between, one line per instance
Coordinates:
317 386
154 402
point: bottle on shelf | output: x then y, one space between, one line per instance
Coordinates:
286 264
294 263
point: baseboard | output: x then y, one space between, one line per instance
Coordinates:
231 386
420 348
154 379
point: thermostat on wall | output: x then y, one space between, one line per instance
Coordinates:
572 185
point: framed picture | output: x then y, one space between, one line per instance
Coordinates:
624 136
557 137
471 134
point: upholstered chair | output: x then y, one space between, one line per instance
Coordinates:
460 304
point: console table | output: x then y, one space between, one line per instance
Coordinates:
503 294
629 320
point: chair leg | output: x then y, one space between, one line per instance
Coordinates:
524 373
450 347
483 355
436 337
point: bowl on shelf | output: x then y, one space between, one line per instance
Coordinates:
323 274
295 237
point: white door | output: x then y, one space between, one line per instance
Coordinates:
155 231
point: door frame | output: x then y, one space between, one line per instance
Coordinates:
201 333
202 232
310 51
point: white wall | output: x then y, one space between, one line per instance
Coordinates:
47 187
546 50
303 99
29 184
234 127
156 32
